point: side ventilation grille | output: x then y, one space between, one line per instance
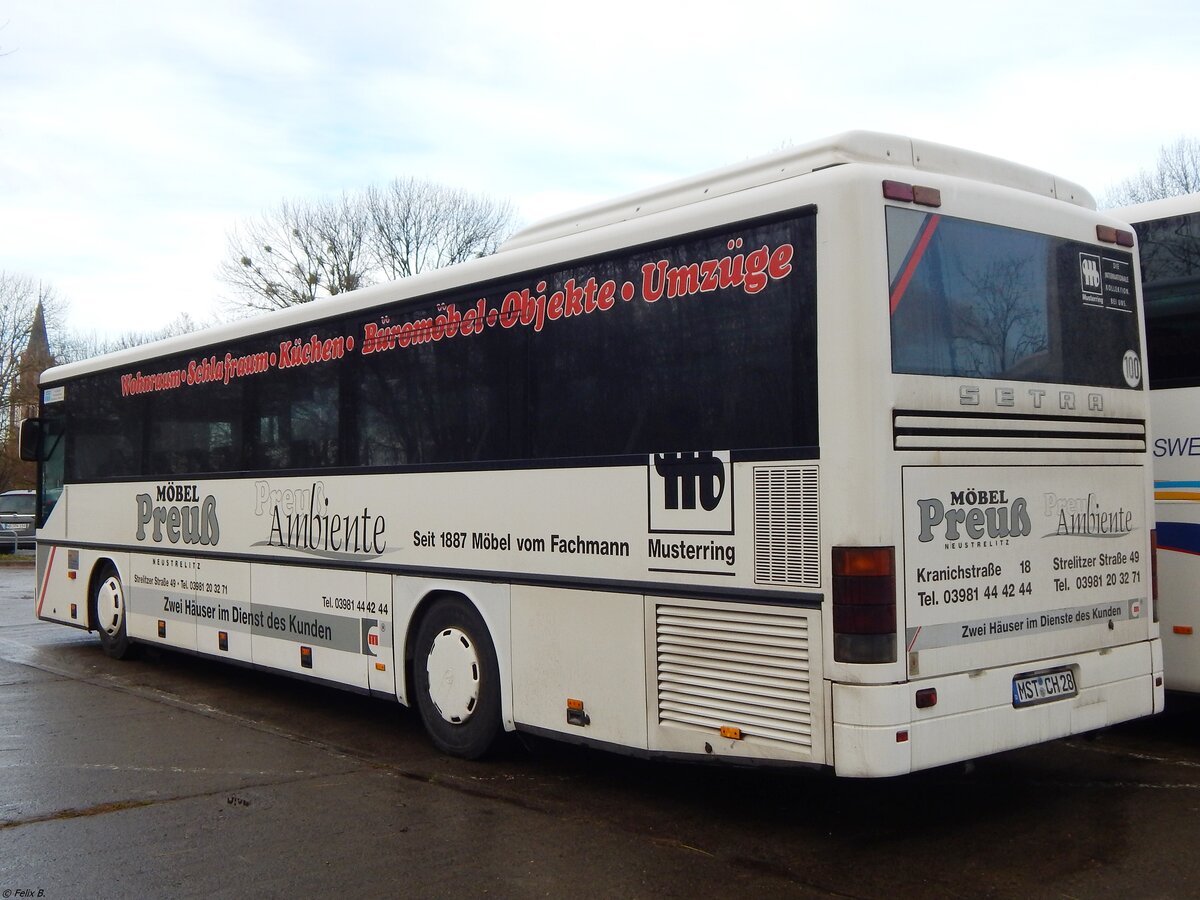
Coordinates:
787 526
1016 433
745 668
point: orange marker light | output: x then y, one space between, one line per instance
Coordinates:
729 731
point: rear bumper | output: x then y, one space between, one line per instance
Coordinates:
878 731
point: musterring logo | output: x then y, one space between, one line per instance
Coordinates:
691 493
974 515
686 474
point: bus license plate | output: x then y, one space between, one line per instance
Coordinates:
1041 687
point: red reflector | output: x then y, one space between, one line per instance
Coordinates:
898 190
1106 233
926 697
926 196
901 737
1182 629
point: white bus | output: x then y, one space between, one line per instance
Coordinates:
837 457
1169 244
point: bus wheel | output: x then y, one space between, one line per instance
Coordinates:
457 679
109 614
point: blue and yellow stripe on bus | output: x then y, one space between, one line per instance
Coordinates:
1182 537
1177 490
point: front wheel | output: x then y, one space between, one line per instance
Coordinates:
109 614
457 679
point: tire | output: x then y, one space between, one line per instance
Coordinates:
109 613
457 679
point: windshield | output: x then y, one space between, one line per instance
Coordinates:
970 299
18 504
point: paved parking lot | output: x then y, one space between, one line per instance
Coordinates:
176 776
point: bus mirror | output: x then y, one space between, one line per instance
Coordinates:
31 440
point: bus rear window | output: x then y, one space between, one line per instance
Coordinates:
1170 251
974 300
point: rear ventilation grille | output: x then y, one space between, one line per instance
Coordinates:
787 526
946 431
730 667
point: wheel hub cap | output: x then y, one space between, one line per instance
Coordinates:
453 669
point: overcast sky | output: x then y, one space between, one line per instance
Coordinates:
135 135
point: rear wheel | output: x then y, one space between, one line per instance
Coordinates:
457 679
109 614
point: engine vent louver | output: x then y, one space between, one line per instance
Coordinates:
729 667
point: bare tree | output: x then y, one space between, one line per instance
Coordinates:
19 299
302 251
1002 327
299 252
20 296
77 346
1177 172
419 225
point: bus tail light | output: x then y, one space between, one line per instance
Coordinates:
864 604
898 190
1118 236
912 193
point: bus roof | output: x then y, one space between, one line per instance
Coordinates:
848 147
1157 209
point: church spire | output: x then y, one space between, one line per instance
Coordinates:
38 350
